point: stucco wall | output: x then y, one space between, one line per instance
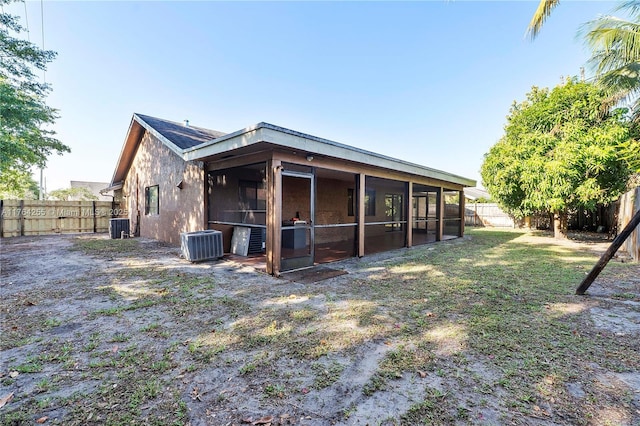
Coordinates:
181 210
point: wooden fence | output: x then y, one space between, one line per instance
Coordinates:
487 214
33 217
629 205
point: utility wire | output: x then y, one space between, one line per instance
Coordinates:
44 72
44 81
26 20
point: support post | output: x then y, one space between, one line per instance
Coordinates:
274 217
615 245
361 217
205 198
462 212
409 206
440 214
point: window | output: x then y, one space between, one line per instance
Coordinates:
369 202
152 200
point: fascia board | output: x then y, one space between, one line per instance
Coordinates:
173 147
235 140
116 175
265 132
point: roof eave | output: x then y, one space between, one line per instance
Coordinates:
112 187
173 147
130 146
265 132
125 155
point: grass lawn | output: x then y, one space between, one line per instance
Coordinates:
480 330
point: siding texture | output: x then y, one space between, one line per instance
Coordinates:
181 210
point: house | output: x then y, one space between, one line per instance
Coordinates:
94 188
480 212
305 200
476 194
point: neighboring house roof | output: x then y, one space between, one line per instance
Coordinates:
196 143
94 188
475 193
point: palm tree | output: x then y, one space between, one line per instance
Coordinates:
615 57
540 16
615 46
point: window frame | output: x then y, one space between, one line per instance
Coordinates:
148 210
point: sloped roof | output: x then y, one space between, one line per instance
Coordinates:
182 136
292 139
175 136
197 143
94 187
475 193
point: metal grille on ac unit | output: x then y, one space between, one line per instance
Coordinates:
201 245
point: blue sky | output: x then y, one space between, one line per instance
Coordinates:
429 82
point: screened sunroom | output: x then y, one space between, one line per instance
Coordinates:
297 200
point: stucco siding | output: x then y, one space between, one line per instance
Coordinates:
180 210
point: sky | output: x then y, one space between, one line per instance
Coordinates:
430 82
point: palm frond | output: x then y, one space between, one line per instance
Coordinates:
635 110
625 77
613 41
615 57
630 6
540 16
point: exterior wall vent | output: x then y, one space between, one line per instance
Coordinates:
201 245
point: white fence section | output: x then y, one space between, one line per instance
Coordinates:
487 214
629 205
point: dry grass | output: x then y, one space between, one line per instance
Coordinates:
481 330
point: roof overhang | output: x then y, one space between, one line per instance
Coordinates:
136 130
279 136
112 187
265 132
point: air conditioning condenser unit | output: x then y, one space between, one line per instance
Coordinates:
201 245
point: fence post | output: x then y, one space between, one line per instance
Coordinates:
21 217
93 213
475 213
1 218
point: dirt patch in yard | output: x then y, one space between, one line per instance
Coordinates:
482 330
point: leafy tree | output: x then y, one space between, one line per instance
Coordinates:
615 59
20 187
24 141
560 151
79 193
